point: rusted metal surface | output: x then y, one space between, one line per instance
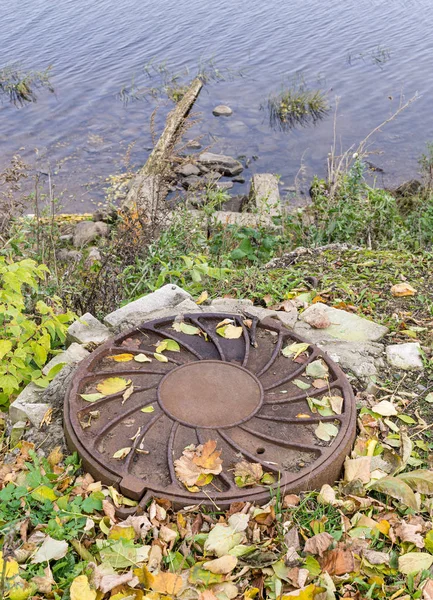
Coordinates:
239 392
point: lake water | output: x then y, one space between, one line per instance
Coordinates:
370 54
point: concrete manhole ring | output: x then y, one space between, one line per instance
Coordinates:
242 392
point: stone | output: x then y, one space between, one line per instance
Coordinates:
64 255
360 358
87 231
28 406
68 237
193 181
187 170
238 179
408 188
136 312
226 165
260 312
344 326
93 256
74 354
193 144
224 185
88 330
17 432
317 316
405 356
231 305
288 318
264 194
222 111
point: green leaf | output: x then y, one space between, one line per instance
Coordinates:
318 369
420 480
147 409
295 349
5 347
237 254
302 385
92 397
54 370
396 488
428 541
313 566
407 419
90 504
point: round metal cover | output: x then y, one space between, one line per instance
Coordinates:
256 403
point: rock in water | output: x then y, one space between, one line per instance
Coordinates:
222 111
226 165
187 170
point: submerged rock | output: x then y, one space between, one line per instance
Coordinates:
222 111
226 165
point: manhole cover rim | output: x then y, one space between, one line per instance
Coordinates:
309 478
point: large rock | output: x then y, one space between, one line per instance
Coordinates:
405 356
88 330
29 406
345 326
135 313
264 194
222 111
187 170
363 359
74 354
231 305
87 231
226 165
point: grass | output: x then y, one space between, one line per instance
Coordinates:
20 86
296 105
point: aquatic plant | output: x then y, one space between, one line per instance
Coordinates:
20 87
296 105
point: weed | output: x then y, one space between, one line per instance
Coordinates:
296 105
20 87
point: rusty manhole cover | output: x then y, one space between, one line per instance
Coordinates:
256 403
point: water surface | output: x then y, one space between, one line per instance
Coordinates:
82 132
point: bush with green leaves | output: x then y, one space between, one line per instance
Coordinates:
31 328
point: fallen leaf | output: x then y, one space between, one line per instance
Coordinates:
247 474
122 453
92 397
222 538
396 488
318 544
147 409
420 480
357 468
121 357
319 383
295 349
202 298
112 385
142 358
327 495
230 332
222 566
306 593
127 393
302 385
410 533
385 409
160 357
183 327
170 345
427 590
402 289
318 369
376 558
81 590
338 562
167 583
209 458
326 431
414 562
55 456
51 549
336 404
44 582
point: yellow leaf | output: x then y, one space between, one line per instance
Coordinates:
43 493
128 392
160 357
144 576
122 453
210 458
112 385
400 290
168 583
204 479
148 409
142 358
383 526
121 533
80 589
55 456
306 593
295 349
202 298
183 327
230 332
121 357
12 568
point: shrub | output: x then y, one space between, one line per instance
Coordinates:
30 328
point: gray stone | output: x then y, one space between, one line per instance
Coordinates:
187 170
226 165
186 307
29 406
222 111
231 305
193 144
68 237
238 179
74 354
193 181
93 256
360 358
87 231
260 312
88 330
134 313
264 194
64 255
344 326
405 356
17 432
224 185
288 318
